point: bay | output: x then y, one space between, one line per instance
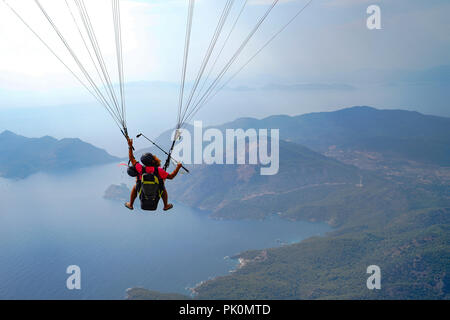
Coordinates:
51 221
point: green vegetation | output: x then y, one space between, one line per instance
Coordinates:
395 133
394 212
242 192
412 252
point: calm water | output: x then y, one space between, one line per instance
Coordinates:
48 222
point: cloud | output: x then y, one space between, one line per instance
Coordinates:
24 55
298 87
310 86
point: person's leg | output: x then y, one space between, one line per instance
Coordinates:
165 198
133 197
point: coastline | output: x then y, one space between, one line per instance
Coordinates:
243 259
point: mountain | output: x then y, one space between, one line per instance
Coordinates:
305 177
21 156
311 184
308 186
363 136
379 177
394 133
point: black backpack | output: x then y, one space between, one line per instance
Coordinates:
132 172
151 189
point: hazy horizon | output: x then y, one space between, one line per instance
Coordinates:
110 139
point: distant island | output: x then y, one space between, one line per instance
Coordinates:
21 157
117 192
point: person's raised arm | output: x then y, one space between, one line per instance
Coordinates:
175 172
130 152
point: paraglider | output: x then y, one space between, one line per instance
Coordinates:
97 78
149 181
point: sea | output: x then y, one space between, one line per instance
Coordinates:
49 222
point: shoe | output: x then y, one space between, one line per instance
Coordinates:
170 206
128 206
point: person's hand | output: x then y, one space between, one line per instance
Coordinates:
179 165
130 142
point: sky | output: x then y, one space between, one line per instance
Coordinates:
327 59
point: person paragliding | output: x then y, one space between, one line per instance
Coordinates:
150 179
95 76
